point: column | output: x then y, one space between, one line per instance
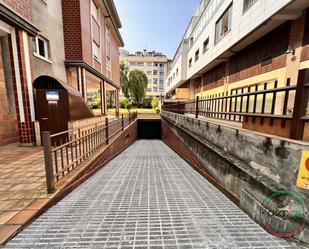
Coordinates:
117 102
84 83
21 64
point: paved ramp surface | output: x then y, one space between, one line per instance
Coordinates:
147 197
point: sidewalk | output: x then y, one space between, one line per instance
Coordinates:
22 187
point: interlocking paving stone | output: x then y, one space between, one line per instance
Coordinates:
147 197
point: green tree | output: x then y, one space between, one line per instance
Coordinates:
155 103
137 85
124 81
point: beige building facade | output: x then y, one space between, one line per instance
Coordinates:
153 64
232 44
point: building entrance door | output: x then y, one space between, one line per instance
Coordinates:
52 108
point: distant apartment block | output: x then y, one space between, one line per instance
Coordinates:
232 44
153 64
73 42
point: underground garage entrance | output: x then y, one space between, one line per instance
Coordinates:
149 128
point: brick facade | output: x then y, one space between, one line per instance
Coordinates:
22 7
72 29
78 38
214 78
8 119
17 124
26 129
266 54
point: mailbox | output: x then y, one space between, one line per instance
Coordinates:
57 103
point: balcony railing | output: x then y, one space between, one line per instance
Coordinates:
65 151
263 104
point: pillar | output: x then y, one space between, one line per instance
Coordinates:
23 92
117 102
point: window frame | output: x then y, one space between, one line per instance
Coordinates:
190 62
205 45
36 48
197 55
248 6
228 11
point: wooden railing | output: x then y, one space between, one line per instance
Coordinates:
258 104
64 151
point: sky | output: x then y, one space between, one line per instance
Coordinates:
154 24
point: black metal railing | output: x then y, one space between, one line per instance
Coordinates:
65 151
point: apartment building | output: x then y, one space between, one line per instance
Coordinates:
16 102
153 64
74 41
230 44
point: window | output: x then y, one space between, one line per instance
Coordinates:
223 25
191 42
40 47
190 62
205 45
95 50
248 4
149 90
155 64
149 81
155 72
155 89
95 11
108 61
149 64
108 48
177 72
149 72
161 65
155 81
197 55
140 63
132 63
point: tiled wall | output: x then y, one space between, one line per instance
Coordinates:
8 120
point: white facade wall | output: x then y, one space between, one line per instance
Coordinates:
242 25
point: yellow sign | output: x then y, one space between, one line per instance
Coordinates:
303 174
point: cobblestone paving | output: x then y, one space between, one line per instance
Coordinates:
147 197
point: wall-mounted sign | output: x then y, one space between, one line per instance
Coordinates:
52 95
303 174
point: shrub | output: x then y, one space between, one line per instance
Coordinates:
129 106
155 103
124 102
94 103
147 103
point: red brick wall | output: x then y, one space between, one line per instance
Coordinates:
22 7
72 29
115 61
214 78
26 129
78 39
86 31
247 63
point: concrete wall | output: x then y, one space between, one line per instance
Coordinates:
48 18
248 164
